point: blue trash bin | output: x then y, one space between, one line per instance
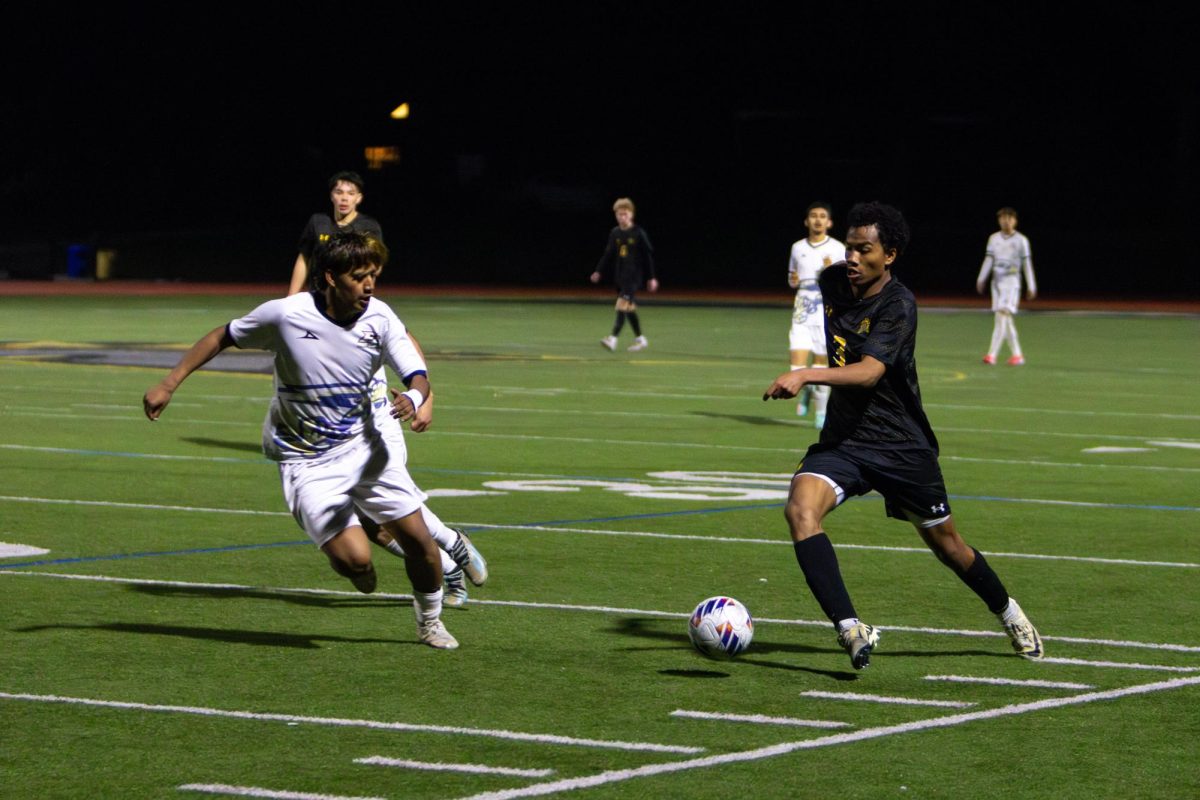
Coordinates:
79 260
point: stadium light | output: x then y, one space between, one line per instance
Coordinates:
400 112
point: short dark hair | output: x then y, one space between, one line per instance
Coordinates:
348 177
819 204
1007 211
888 221
345 252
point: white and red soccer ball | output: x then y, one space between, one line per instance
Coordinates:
721 627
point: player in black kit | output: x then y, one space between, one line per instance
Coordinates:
345 192
630 257
876 435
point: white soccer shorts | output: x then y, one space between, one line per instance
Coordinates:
1006 294
364 477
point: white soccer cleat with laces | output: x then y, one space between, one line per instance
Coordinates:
859 640
435 635
1025 639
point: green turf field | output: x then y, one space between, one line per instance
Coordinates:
180 637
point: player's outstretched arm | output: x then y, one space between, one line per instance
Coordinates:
299 276
203 351
865 374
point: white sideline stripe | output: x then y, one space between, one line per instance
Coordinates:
1071 411
1117 664
814 623
839 546
1068 464
1010 682
541 738
760 719
140 506
615 776
256 791
1115 437
383 761
879 698
604 532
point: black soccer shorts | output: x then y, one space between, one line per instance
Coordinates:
909 479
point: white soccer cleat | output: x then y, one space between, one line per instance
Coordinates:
639 343
435 635
1025 639
859 640
467 556
454 594
609 343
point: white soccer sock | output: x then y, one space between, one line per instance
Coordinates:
1011 612
998 331
448 564
441 533
427 605
821 393
1013 344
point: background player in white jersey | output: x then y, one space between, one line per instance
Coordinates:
460 558
1008 255
334 462
807 338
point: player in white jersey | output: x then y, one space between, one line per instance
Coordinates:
807 338
460 558
334 462
1008 256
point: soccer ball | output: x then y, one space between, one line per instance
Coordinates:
720 627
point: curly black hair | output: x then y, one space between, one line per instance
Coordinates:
888 221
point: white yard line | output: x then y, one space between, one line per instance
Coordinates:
878 698
759 719
518 736
640 612
475 769
1116 664
953 720
258 791
1010 682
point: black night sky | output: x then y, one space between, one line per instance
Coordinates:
196 139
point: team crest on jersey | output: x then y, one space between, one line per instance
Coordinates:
826 261
370 340
864 326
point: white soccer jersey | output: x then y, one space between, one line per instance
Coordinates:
1007 257
326 381
804 266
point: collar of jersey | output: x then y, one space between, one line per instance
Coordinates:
319 302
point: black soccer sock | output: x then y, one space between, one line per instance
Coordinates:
620 323
820 567
633 323
983 581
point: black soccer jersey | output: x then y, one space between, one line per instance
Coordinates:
631 257
884 327
321 226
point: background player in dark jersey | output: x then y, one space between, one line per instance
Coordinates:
345 192
876 435
630 257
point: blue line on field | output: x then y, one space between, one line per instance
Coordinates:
650 516
152 554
